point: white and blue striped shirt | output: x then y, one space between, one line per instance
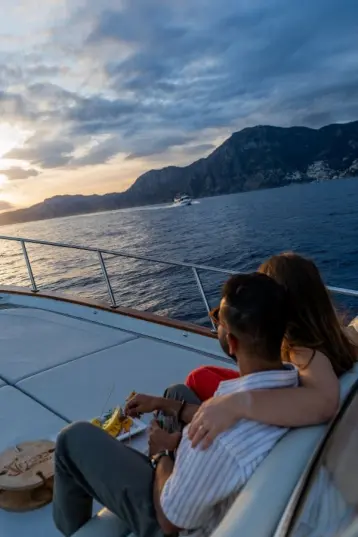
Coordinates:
204 484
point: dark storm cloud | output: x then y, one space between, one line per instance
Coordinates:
16 173
176 73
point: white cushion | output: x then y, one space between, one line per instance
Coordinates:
143 365
33 340
22 419
352 531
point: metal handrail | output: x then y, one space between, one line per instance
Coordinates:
195 268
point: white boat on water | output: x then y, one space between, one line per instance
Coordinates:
182 200
59 356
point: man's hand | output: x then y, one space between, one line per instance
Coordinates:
142 404
160 440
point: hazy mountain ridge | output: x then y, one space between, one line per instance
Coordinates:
254 158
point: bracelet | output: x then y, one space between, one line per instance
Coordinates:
181 410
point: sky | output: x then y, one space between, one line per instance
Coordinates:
94 93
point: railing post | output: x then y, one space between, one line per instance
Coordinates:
203 296
29 268
108 283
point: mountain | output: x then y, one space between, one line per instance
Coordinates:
253 158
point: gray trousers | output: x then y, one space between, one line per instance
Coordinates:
90 464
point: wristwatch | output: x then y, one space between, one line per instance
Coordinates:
154 461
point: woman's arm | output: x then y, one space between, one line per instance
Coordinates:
315 401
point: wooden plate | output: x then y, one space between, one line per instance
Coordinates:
27 466
27 500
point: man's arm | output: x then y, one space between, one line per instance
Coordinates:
162 474
144 404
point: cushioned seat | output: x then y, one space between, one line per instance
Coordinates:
352 531
280 471
34 340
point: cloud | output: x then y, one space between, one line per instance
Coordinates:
221 72
102 152
97 114
46 154
157 146
142 78
12 105
16 173
5 205
17 74
200 149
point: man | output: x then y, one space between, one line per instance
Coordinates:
160 495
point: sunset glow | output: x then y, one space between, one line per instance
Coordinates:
11 137
93 94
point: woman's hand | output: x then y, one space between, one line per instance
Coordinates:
160 440
142 404
213 417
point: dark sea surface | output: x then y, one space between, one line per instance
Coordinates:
237 232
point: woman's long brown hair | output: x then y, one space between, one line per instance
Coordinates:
314 322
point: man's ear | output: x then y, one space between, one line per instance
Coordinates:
233 344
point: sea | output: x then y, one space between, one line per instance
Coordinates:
235 232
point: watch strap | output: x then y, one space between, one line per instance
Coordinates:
156 458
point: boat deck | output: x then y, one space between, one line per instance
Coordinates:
61 362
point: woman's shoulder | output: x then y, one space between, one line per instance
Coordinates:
351 332
302 357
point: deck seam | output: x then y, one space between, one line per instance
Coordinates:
38 401
140 335
226 360
75 359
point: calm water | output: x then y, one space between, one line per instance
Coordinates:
237 232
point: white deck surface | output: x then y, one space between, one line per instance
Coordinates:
65 362
60 364
33 340
22 419
139 365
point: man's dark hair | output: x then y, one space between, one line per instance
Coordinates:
256 312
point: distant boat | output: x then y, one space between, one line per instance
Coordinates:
182 199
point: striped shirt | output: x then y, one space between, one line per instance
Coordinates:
204 484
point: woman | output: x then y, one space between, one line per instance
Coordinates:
314 342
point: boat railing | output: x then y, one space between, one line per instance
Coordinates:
101 252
